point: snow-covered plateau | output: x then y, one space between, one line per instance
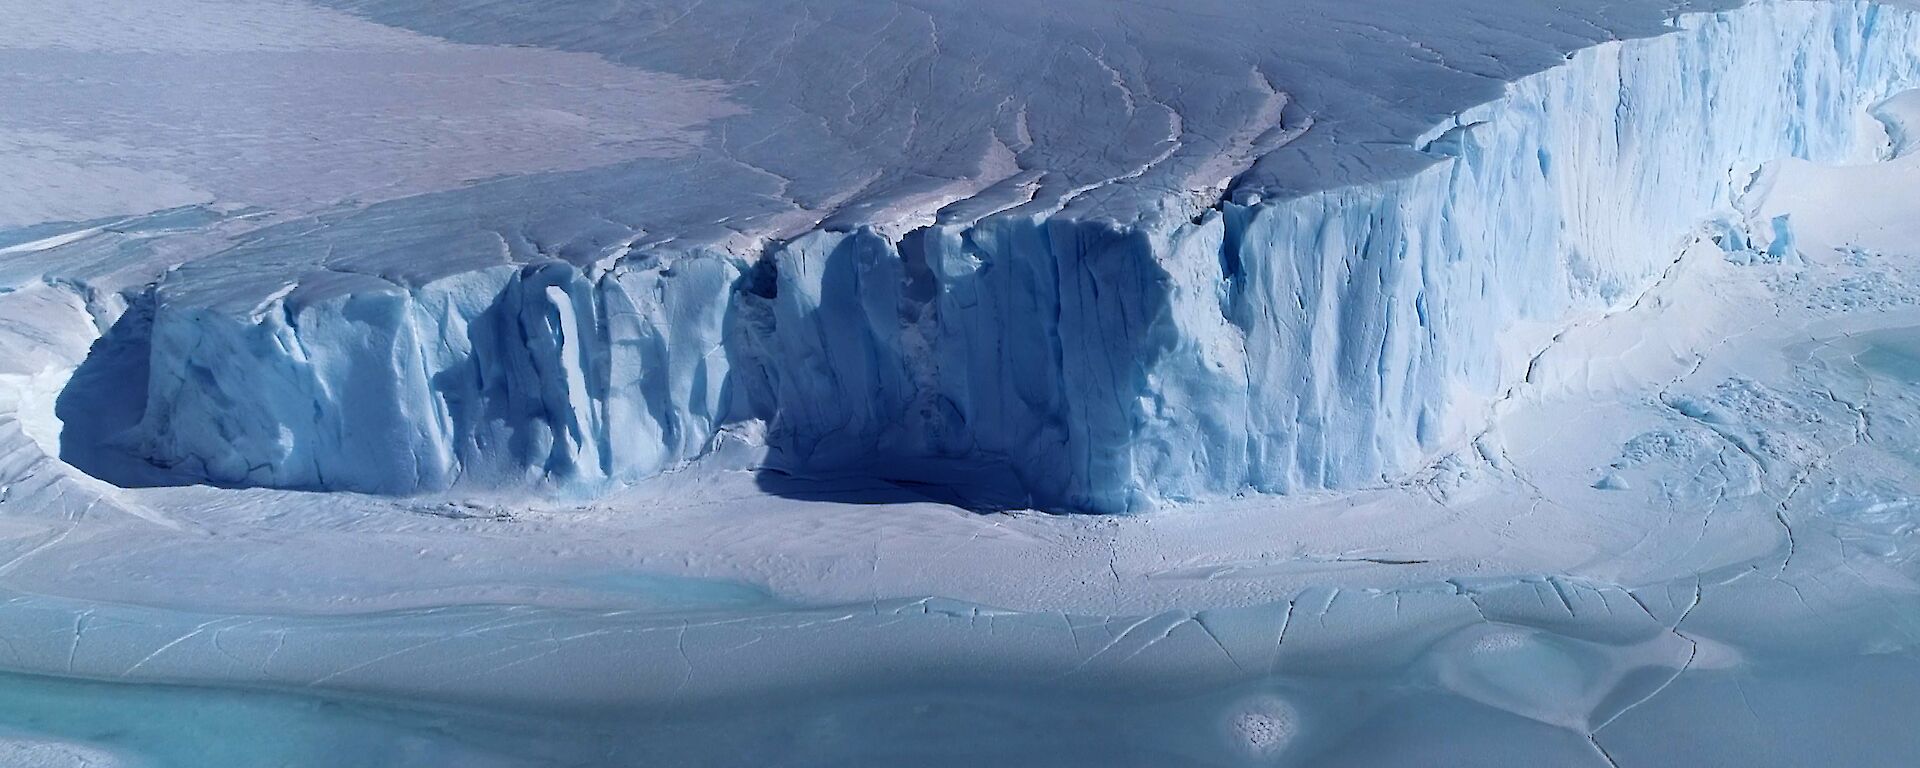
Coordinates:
849 382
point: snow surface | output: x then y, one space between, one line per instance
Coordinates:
125 108
719 454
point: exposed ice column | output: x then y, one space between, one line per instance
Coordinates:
1392 309
1329 340
509 376
1337 339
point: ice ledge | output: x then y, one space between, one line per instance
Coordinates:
1334 339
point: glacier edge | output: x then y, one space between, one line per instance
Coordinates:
1330 340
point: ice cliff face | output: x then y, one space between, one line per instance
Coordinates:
510 375
1330 339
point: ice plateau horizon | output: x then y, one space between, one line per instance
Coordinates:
1219 344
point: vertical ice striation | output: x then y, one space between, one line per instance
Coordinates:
1331 339
512 375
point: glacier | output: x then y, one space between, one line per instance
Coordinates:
1271 341
507 383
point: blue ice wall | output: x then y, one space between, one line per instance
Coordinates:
1330 340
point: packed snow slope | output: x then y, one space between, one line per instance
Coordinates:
1093 256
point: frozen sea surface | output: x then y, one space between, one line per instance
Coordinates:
504 383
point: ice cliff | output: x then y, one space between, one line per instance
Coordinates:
1332 338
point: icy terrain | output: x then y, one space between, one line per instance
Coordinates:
1104 346
578 383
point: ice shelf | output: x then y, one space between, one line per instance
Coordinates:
1285 293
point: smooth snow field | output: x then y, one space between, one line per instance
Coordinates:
959 382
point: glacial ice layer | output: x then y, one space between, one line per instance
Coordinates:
1331 339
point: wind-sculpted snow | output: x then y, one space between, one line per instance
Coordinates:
1091 325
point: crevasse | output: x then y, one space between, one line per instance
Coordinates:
1330 340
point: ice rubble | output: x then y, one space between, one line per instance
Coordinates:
1326 339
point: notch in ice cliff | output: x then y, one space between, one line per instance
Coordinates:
1328 338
